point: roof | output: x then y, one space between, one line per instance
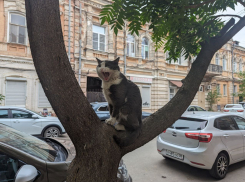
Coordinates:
177 83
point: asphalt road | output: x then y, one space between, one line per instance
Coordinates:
146 165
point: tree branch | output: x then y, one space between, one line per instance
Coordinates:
227 26
227 15
198 5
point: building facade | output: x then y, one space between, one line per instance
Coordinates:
157 79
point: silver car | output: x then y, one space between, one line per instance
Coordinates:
207 140
24 158
237 108
30 122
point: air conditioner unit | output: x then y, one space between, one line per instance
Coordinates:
209 87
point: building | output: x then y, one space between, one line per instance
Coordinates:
157 79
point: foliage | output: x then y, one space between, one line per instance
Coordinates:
212 99
179 25
1 98
241 92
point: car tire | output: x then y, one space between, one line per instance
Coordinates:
220 166
51 132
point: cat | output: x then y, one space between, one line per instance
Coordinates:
124 101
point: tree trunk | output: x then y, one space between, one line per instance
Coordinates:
97 154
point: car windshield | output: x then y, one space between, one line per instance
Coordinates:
27 143
233 106
189 124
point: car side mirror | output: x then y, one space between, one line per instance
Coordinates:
26 173
34 117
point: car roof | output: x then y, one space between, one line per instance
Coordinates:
11 107
233 104
99 103
206 114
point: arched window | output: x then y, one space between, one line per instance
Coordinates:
130 45
17 28
240 65
224 63
217 59
145 48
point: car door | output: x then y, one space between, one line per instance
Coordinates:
241 125
23 121
231 137
5 117
103 112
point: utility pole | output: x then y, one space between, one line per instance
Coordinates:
233 45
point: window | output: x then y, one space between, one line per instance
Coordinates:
224 90
130 45
21 114
192 108
224 63
201 88
9 167
171 93
218 88
98 38
225 123
240 122
3 114
17 29
235 89
200 109
103 108
42 99
240 65
145 48
146 96
189 124
217 59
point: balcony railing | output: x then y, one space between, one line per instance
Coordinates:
214 69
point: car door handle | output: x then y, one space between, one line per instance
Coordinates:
225 135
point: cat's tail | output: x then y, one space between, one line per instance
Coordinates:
126 138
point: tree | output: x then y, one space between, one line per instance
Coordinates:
212 98
241 92
1 98
97 154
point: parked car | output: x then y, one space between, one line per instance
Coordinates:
207 140
30 122
102 110
27 158
194 108
234 108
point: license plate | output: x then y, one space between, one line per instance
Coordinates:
175 155
233 111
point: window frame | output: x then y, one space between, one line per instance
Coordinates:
143 48
240 66
174 89
217 59
8 30
224 63
98 42
129 48
224 89
8 113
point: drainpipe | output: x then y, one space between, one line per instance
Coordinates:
125 50
69 32
80 45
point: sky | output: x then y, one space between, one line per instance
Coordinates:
239 10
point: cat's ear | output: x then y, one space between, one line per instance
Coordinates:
98 60
117 60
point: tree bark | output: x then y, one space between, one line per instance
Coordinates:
97 154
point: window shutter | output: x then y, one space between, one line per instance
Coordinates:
42 99
146 96
95 41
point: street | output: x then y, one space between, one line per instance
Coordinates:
146 165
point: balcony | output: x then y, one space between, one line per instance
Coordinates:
214 70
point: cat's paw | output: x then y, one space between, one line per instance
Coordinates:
111 121
119 127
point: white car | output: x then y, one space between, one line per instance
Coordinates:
234 108
194 108
207 140
30 122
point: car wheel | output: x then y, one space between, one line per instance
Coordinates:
220 167
51 132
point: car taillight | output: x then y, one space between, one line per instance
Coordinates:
164 131
202 137
226 110
240 110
